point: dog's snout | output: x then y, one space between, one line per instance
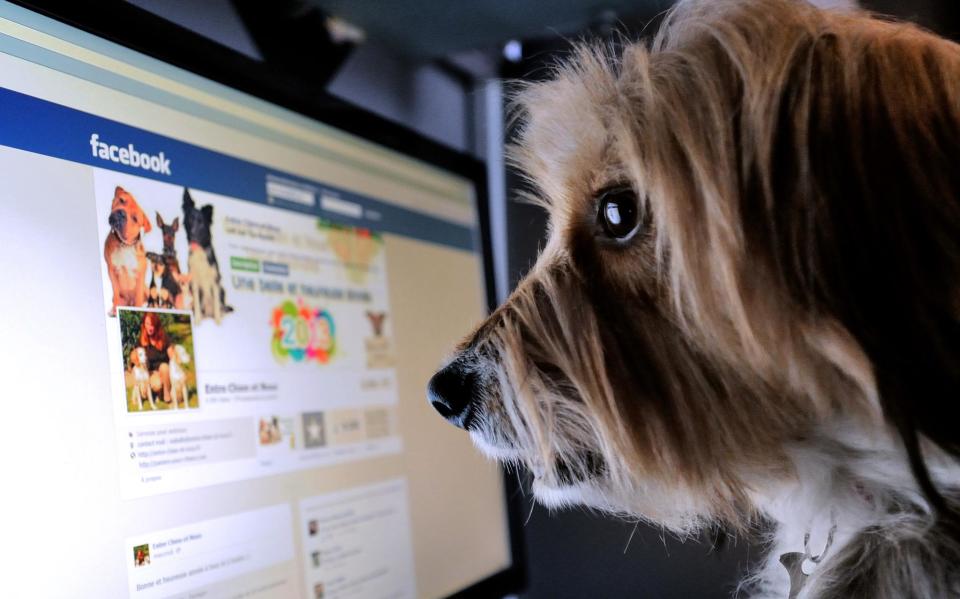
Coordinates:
452 393
117 219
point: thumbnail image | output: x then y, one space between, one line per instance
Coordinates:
379 347
314 434
312 528
141 556
318 591
158 249
159 370
270 432
315 558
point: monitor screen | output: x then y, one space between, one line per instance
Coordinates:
219 320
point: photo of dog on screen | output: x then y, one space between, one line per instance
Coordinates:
124 252
158 251
159 370
167 287
208 297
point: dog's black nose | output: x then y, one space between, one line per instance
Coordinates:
452 391
117 219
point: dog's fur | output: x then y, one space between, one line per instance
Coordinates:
156 295
206 288
178 377
123 251
166 269
780 338
141 379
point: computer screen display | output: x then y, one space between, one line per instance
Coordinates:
219 320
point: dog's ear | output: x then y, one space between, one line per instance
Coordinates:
147 226
207 213
134 357
159 220
175 225
863 167
118 190
187 200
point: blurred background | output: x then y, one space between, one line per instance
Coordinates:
438 67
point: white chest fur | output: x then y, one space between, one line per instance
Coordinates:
126 259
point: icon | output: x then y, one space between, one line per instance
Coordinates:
376 321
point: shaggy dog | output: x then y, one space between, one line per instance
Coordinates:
747 308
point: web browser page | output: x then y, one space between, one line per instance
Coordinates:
220 319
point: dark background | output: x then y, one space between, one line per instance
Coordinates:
434 66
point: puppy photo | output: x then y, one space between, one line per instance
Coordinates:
206 290
124 253
748 309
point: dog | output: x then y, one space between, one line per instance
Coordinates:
157 296
124 253
178 378
141 379
207 292
166 280
747 308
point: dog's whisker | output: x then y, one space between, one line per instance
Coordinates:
533 505
636 525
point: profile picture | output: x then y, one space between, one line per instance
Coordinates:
158 365
315 558
318 591
312 528
141 556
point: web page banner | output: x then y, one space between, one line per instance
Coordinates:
43 127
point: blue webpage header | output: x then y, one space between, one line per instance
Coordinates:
43 127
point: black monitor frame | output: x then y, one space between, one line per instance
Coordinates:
128 25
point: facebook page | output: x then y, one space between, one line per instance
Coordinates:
221 350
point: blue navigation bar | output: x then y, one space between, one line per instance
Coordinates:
43 127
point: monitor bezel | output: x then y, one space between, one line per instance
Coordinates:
130 26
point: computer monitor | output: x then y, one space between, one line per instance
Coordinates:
220 315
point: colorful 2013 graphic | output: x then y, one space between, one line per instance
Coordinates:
302 333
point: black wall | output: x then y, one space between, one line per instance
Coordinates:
941 16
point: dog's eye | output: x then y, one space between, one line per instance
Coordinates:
618 212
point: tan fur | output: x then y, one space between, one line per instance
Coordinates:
675 377
124 253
